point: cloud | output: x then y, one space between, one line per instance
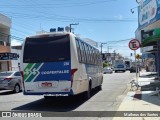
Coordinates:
15 42
119 17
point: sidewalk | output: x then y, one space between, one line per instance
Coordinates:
142 99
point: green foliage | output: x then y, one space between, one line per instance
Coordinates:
105 64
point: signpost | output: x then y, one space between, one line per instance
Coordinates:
8 56
134 44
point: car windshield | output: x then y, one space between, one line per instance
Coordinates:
5 73
120 66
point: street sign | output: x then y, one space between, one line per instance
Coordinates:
8 56
138 56
134 44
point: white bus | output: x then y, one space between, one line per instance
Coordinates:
59 64
128 64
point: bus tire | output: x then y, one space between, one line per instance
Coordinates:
48 97
88 93
99 87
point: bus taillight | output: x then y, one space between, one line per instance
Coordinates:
72 75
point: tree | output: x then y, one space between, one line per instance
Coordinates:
105 64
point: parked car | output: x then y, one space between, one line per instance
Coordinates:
132 69
107 70
10 80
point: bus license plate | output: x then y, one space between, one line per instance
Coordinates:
46 84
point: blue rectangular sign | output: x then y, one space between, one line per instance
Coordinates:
148 13
9 56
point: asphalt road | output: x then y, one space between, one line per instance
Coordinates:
113 91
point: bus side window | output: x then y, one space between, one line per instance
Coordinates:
94 56
81 50
87 51
97 57
84 52
90 54
78 50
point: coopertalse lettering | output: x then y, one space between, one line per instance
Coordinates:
55 72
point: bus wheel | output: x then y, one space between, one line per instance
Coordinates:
47 97
99 87
88 93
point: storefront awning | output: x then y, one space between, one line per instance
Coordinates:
152 40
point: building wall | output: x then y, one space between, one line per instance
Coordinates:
5 24
4 66
148 22
5 21
4 49
16 62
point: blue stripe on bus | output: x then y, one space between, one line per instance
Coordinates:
54 71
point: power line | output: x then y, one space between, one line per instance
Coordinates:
68 19
120 40
77 4
19 31
11 36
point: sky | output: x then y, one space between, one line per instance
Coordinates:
104 21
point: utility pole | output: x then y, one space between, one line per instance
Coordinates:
102 46
109 47
113 61
108 56
70 26
114 54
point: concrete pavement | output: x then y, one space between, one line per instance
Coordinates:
142 99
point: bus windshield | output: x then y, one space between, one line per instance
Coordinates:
47 49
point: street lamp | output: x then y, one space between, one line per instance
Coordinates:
70 25
132 10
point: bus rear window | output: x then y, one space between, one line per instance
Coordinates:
47 49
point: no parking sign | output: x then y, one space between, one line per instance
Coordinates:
134 44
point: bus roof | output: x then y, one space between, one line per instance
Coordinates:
50 34
58 33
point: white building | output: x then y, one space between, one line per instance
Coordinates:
16 63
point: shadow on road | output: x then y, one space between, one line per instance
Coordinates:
148 93
6 92
55 104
